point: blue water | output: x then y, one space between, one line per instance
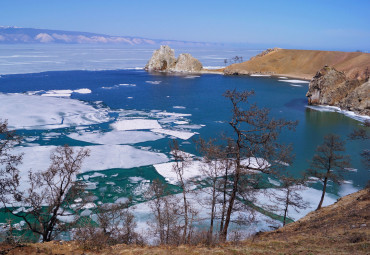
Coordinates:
202 97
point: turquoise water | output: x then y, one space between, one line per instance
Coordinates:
191 105
199 96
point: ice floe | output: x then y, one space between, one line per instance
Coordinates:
173 114
116 137
184 135
327 108
101 157
135 124
265 199
154 82
179 107
181 122
62 92
191 170
35 112
294 81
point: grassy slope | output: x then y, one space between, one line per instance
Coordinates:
304 63
342 228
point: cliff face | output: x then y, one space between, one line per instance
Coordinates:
304 63
164 60
331 87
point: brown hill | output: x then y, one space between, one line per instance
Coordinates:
304 63
342 228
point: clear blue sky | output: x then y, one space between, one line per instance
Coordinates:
325 24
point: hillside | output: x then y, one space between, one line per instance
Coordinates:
342 228
303 63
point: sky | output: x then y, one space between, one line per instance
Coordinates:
306 24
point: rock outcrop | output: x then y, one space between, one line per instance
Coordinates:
164 60
187 63
331 87
161 59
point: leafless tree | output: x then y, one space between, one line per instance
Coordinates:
287 196
112 224
328 163
254 147
49 194
181 162
362 134
9 175
166 211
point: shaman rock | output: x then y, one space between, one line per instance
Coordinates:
187 63
162 59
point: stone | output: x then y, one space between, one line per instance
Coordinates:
164 60
187 63
331 87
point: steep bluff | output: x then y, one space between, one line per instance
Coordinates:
332 87
164 60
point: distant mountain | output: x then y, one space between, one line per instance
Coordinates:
16 35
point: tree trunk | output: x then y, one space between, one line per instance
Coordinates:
323 194
231 201
286 207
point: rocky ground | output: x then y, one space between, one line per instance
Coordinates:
342 228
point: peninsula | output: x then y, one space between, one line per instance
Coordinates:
337 78
303 64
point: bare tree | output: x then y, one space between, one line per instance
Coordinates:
181 162
254 146
361 134
49 194
212 171
9 175
287 196
328 163
166 211
112 224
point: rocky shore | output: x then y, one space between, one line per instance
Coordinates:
332 87
336 78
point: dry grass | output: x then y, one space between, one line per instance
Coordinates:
304 63
342 228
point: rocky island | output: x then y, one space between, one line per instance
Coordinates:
163 60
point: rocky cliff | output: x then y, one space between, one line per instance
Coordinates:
164 60
332 87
